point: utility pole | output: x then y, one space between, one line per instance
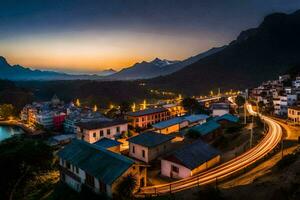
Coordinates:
245 114
251 134
281 148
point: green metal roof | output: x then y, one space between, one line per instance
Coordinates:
227 117
96 161
150 139
206 128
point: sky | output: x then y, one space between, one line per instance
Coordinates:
92 35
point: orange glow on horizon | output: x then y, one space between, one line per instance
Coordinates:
95 51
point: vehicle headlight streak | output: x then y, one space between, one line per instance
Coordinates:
266 145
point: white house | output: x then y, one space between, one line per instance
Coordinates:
219 109
149 145
99 169
189 160
93 131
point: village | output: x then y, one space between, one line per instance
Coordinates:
154 145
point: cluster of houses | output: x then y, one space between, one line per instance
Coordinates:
281 96
95 158
58 116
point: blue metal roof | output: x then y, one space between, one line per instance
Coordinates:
206 128
150 139
195 118
107 143
96 161
227 117
168 123
193 155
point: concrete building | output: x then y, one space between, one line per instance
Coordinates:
100 170
280 105
175 110
189 160
294 115
219 109
95 130
149 145
145 118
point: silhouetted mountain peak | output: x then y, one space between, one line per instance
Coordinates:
3 62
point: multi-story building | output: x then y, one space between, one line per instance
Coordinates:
280 105
145 118
175 110
97 168
93 131
294 115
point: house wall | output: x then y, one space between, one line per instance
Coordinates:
138 152
139 172
212 162
166 167
75 184
150 153
93 136
146 120
219 112
294 116
170 129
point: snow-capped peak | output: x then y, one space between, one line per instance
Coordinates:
162 63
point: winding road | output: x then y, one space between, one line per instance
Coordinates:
266 145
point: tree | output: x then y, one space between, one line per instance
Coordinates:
190 104
126 187
21 159
240 101
124 107
7 110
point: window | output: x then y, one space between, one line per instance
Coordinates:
89 180
118 129
101 133
143 153
108 132
68 165
76 169
94 135
133 149
175 169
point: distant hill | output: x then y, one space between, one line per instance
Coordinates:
257 54
157 67
17 72
106 72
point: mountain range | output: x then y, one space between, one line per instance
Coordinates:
18 72
158 67
142 70
256 55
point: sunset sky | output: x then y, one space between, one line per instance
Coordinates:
91 35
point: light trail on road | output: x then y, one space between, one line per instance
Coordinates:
225 170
